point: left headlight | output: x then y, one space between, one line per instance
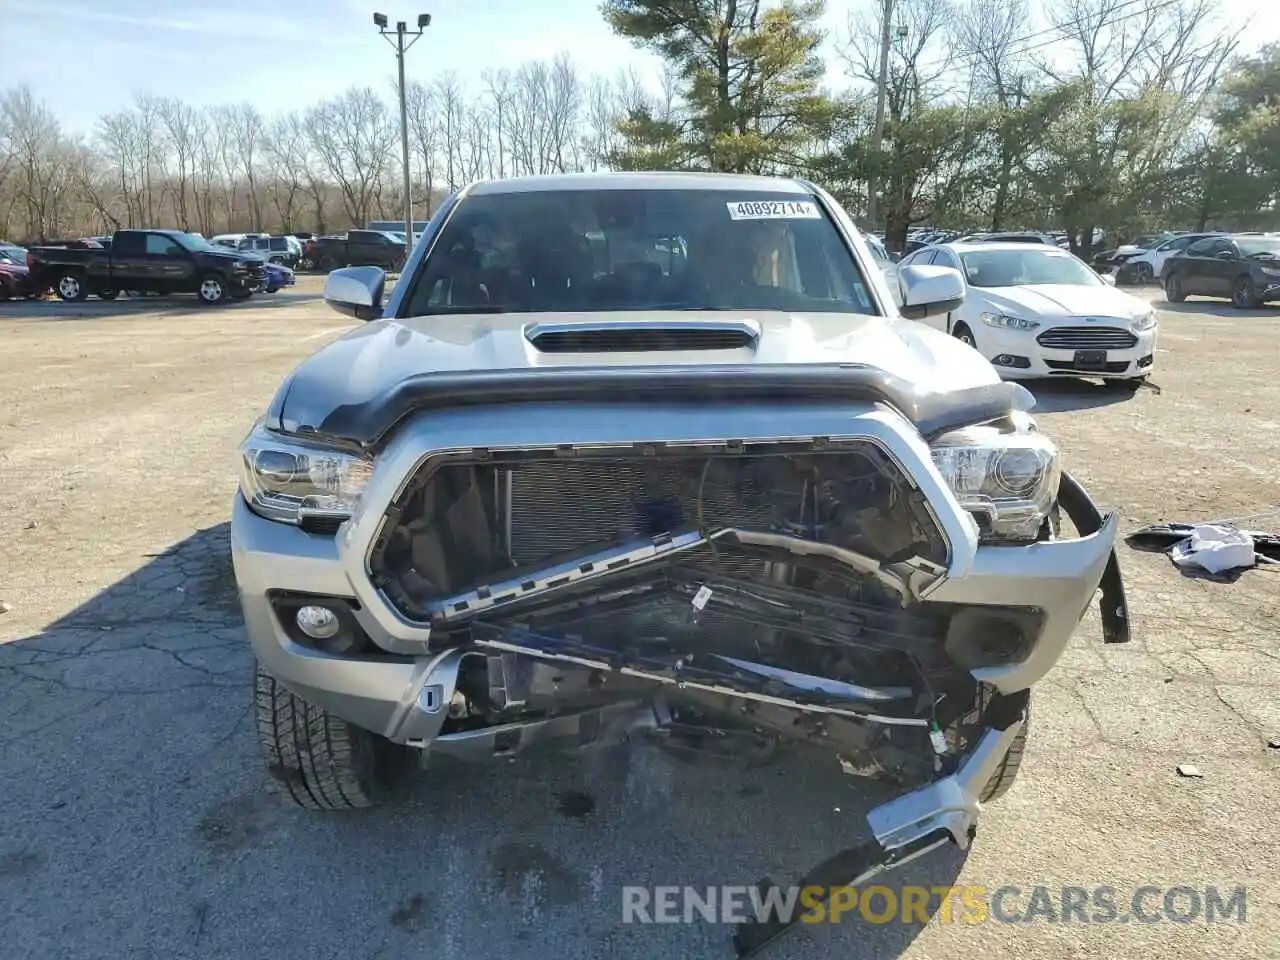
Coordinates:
290 482
1007 322
1143 322
1007 480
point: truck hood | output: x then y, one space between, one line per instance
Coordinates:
362 368
233 256
1053 301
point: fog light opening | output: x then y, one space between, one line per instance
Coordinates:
1011 360
318 623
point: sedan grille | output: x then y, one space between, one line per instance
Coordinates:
1087 338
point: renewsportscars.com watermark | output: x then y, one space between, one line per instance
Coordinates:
969 903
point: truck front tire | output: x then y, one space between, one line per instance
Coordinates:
213 289
71 287
321 761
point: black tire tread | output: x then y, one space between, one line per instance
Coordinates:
322 762
1007 772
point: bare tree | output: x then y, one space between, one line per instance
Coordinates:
353 136
450 104
248 135
38 155
424 133
180 126
498 88
286 148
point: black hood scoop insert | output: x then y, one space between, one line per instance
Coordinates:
642 336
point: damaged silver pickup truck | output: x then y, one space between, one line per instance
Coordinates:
635 452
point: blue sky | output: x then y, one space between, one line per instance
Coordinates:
87 57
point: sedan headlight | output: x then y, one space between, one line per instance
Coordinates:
1270 271
1007 322
1008 481
1144 321
292 482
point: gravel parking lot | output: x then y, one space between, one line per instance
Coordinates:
138 821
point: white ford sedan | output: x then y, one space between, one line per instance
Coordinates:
1037 311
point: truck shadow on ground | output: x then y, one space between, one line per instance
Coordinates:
128 732
151 306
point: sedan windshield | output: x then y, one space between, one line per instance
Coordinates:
1014 268
1262 247
592 250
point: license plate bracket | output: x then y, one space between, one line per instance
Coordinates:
1090 360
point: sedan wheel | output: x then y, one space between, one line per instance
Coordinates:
965 335
1145 273
212 290
1245 294
1173 289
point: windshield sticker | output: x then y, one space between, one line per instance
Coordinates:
773 210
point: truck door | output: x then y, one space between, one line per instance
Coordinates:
170 266
129 264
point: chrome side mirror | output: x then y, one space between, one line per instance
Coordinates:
356 291
928 291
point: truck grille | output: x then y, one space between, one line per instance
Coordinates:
460 526
1087 338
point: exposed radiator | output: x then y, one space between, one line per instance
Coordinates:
567 505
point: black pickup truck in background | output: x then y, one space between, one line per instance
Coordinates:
159 261
361 248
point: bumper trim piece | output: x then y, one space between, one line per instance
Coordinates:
1088 519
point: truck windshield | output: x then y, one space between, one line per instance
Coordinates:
593 250
192 243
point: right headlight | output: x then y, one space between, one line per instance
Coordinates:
1007 480
292 482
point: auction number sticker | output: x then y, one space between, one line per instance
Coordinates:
773 210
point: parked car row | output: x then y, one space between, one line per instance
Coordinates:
151 261
1242 267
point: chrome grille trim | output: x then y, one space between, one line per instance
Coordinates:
1088 338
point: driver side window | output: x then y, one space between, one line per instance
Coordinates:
159 245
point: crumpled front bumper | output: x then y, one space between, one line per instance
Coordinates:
404 691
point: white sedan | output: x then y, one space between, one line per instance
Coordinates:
1037 311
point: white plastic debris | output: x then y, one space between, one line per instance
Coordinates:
1189 770
701 597
1214 547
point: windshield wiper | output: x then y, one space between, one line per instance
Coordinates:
477 308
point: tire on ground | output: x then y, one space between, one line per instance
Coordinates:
71 286
206 288
321 761
1007 772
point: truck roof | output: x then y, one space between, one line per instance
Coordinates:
637 181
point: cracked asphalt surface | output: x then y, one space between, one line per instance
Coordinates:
137 819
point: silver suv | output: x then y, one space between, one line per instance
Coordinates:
657 452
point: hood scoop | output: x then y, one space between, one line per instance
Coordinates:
642 336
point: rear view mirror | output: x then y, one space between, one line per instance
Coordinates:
928 291
356 291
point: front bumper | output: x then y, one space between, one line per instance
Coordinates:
1017 356
403 691
1057 577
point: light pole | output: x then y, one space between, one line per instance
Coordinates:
402 38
